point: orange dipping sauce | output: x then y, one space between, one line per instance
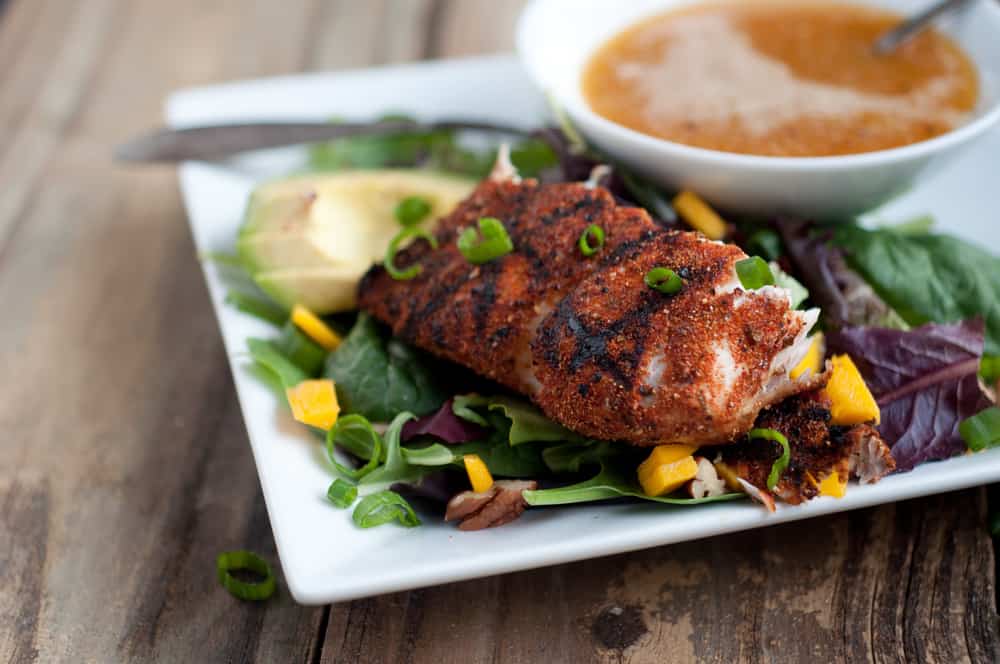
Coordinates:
780 79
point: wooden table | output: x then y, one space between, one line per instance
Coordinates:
125 466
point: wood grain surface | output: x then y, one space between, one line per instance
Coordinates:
125 467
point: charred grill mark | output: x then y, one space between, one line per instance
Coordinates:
485 295
435 297
591 343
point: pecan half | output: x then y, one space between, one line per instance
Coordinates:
871 459
501 504
706 482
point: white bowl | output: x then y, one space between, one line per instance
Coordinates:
556 37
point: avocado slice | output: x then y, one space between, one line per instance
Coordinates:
308 239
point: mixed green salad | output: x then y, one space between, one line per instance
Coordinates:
918 311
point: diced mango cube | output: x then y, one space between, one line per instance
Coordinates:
699 216
729 475
314 327
479 474
813 360
662 454
832 485
314 402
658 479
851 402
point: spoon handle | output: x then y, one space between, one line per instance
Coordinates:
909 28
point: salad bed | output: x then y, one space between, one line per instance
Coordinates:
918 312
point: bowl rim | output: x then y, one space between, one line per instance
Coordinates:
576 107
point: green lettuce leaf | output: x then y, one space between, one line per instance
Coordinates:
278 367
928 277
395 469
616 476
527 423
379 377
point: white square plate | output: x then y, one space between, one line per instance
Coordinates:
324 557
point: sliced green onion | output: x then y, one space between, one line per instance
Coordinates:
342 493
394 245
489 243
664 280
778 467
355 434
754 273
383 507
412 210
592 231
231 561
255 306
982 430
305 353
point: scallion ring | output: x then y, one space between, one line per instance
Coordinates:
664 280
353 425
231 561
754 273
490 242
597 233
779 466
412 210
394 245
342 493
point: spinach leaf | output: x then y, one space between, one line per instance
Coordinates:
574 457
383 507
379 377
503 460
928 277
301 350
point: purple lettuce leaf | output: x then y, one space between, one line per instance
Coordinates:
925 381
438 486
444 425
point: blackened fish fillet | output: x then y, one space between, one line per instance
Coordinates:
584 337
